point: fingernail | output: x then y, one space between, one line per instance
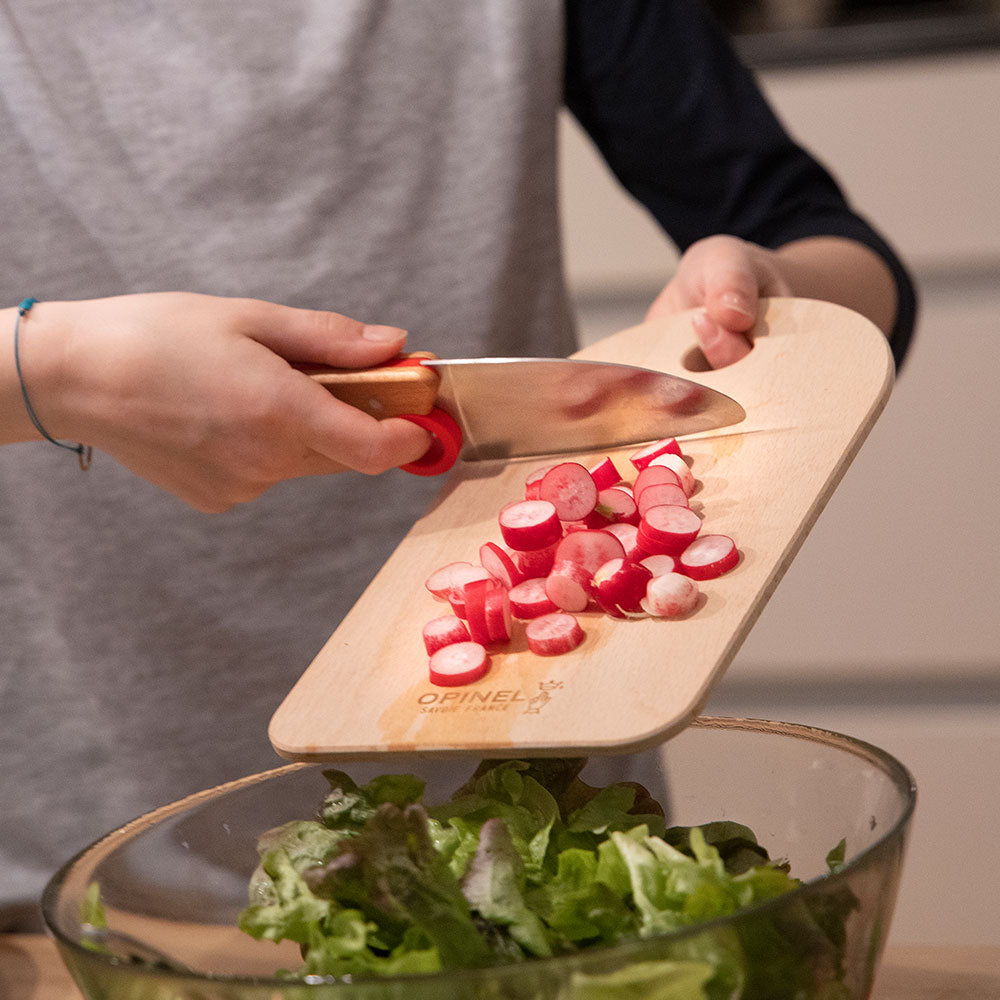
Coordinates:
737 302
383 334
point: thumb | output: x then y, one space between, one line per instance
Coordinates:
319 337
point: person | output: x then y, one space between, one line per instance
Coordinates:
197 195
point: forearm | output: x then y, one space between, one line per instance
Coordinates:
843 271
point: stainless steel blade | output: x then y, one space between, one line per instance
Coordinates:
510 407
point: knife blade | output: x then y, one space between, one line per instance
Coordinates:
514 407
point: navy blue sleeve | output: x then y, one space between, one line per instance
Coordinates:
684 127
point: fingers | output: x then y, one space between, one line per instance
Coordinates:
720 346
317 336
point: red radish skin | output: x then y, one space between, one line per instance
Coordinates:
617 505
657 496
670 596
605 473
536 562
595 519
654 475
499 564
527 525
458 664
668 529
475 609
498 614
529 599
627 534
661 564
568 586
665 446
456 596
620 586
677 464
554 634
533 481
709 556
570 488
590 549
444 631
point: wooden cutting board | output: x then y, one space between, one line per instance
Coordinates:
813 385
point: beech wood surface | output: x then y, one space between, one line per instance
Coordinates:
816 380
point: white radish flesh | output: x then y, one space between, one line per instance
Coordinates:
654 475
568 586
499 564
627 534
657 496
709 556
670 596
590 548
454 574
533 481
530 524
529 599
618 506
660 564
668 529
677 464
644 456
554 634
536 562
571 489
444 631
458 664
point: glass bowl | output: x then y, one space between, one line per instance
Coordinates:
174 881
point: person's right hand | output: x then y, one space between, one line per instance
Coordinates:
196 393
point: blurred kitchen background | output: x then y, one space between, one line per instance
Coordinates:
887 625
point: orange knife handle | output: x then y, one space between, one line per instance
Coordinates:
397 387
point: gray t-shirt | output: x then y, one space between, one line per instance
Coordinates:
394 161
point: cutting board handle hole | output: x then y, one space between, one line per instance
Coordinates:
694 360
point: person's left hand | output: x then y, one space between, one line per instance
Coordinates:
723 277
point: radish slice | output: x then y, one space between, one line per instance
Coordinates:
605 473
709 556
529 600
454 574
670 596
443 631
530 524
570 488
568 586
589 548
446 442
499 564
595 519
677 464
666 446
656 496
661 564
620 585
669 529
554 634
654 475
536 562
627 534
533 481
618 505
498 615
475 609
458 664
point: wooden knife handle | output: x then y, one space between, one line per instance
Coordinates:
398 387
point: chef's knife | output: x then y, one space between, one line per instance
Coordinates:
511 407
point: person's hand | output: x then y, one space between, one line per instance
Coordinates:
196 394
722 277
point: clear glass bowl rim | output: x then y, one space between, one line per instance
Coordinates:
897 772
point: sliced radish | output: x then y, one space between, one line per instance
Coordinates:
657 496
670 596
443 631
457 664
530 524
620 585
589 548
595 519
568 586
677 464
536 562
498 614
605 473
571 489
669 529
554 634
454 574
665 446
654 475
474 594
627 534
660 564
499 564
533 481
617 505
709 556
529 600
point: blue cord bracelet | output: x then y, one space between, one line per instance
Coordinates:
83 451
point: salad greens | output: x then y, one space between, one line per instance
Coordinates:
526 861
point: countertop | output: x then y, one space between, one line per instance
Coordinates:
30 969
